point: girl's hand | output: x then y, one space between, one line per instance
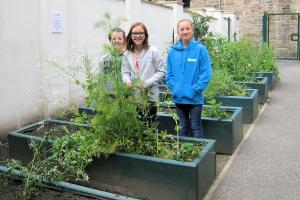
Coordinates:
141 85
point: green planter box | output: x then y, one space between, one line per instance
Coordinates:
249 104
262 87
227 132
86 109
272 78
135 175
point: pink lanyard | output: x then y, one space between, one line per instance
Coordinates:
137 63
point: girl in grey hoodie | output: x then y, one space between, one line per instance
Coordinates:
142 62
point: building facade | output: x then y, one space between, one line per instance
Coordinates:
280 30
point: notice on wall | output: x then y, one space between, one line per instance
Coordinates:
57 22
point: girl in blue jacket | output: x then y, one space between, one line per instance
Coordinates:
188 74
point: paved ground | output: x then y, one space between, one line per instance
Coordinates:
266 165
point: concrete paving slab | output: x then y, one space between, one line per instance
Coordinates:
267 163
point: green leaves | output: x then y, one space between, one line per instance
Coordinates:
222 84
215 110
108 23
266 59
200 24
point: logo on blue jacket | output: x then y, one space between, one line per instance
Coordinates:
192 60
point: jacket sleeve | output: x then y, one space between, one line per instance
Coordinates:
159 70
205 72
125 69
103 61
169 74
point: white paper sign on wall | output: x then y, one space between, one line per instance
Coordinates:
57 22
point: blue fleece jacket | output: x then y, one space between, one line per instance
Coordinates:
188 72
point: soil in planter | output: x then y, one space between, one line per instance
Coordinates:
73 116
12 189
53 130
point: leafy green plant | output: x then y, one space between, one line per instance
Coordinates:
200 24
238 58
52 164
214 44
72 114
108 23
223 85
215 111
266 59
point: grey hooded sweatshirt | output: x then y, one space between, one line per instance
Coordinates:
152 69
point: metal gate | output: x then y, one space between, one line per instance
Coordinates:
281 30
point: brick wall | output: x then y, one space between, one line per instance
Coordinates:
250 14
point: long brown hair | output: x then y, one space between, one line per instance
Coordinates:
130 43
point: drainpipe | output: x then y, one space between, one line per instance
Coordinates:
229 25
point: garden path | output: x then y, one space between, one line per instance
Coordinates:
266 165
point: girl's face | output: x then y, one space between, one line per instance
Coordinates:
185 31
138 35
118 40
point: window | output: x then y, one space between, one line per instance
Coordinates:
186 3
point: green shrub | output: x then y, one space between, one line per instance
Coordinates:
223 85
215 111
266 60
200 24
237 58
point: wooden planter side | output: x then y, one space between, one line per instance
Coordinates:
155 178
249 104
137 175
19 141
261 86
227 132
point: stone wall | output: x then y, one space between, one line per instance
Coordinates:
280 29
250 13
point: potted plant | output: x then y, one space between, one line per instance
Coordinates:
267 65
223 124
261 84
225 90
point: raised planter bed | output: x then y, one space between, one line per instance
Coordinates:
261 86
135 175
272 78
248 103
69 187
227 132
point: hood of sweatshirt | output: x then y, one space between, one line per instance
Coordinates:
185 52
179 46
